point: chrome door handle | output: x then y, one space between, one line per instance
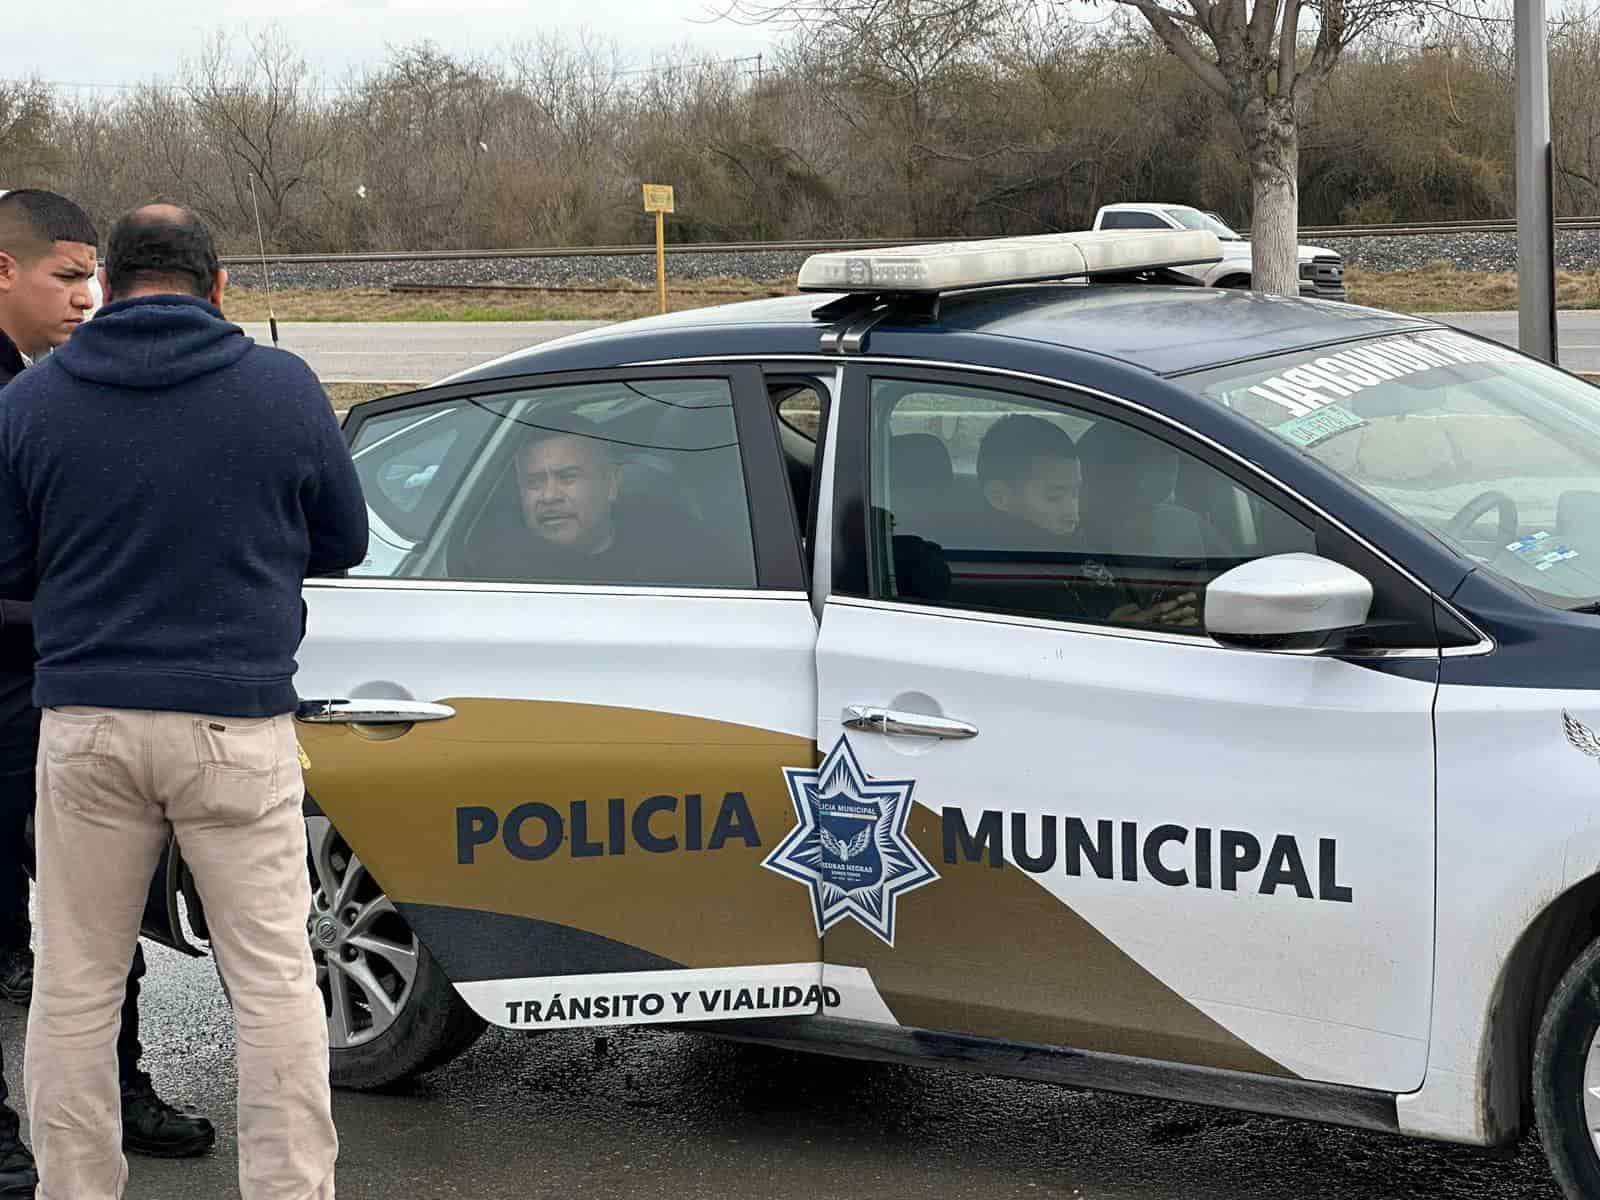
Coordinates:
371 712
869 719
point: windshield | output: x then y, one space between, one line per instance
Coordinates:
1494 454
1193 218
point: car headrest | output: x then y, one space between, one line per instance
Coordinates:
919 460
1123 467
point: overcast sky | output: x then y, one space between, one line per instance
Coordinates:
114 41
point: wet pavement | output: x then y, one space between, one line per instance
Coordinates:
652 1113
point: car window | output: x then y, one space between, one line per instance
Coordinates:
996 502
1494 454
801 411
407 471
610 482
1192 218
1132 220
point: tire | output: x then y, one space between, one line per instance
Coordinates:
383 1027
1561 1058
1239 283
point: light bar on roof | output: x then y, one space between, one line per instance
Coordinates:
946 266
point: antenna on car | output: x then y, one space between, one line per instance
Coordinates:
272 318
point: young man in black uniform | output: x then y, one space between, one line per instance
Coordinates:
1031 477
47 260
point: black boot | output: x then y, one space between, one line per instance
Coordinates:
152 1126
16 976
18 1178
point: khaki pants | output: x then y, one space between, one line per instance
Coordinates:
111 784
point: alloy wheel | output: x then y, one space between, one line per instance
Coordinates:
366 955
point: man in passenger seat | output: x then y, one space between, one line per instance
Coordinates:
570 486
1030 474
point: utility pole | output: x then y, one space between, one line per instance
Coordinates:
1536 248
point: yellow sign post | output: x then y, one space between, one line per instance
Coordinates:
658 199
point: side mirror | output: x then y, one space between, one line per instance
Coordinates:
1285 602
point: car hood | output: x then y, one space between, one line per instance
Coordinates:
1240 251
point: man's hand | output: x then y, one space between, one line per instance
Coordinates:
1178 611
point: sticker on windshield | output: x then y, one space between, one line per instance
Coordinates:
1540 551
1335 376
1319 426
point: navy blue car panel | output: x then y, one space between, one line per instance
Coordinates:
1536 646
1165 330
1162 330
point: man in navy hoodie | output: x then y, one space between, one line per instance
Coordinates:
166 485
47 262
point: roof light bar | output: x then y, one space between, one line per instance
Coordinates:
946 266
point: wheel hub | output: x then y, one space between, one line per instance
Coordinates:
1591 1092
365 953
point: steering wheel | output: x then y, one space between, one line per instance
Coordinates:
1459 525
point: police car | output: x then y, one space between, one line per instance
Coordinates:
1001 655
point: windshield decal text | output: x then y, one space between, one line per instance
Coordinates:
1303 390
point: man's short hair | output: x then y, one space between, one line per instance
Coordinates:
168 247
32 220
571 425
1015 444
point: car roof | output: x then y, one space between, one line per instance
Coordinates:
1163 330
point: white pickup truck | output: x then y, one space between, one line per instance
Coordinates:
1321 271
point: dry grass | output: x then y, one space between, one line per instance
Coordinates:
343 395
619 300
1436 288
1439 287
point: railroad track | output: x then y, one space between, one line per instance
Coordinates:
1307 232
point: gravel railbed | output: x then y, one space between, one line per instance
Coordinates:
640 268
1576 250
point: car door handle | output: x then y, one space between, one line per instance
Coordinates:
371 712
869 719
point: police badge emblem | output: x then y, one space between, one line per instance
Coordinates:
849 846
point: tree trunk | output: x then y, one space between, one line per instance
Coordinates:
1273 137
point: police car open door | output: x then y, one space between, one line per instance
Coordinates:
549 716
1052 810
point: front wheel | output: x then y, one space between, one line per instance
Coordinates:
392 1013
1566 1078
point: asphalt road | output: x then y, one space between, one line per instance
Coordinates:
422 352
662 1114
405 352
1577 333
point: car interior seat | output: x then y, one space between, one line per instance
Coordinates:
921 480
1127 509
693 448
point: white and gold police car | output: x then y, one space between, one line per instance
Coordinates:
1011 658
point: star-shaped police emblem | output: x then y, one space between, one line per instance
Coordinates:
849 846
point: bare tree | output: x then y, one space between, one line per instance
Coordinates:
26 115
979 121
262 115
1262 58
